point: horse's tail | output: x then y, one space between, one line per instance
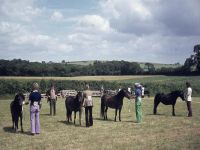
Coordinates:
102 106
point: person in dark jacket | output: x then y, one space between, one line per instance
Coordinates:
34 99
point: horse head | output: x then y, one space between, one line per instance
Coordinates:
20 98
180 94
80 97
125 93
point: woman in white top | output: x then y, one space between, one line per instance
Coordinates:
188 96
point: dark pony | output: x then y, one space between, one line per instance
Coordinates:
167 99
74 103
114 102
17 111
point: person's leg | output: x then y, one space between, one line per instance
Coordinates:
32 119
37 121
138 110
54 107
90 116
189 108
51 103
86 116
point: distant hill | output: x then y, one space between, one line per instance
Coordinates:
142 64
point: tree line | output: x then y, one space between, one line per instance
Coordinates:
18 67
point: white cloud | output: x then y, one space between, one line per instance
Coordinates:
135 30
95 22
57 16
23 10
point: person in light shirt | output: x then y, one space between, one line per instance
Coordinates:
188 97
88 104
52 99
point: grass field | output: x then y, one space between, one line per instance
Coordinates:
130 78
155 132
81 78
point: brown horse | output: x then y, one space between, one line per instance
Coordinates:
114 102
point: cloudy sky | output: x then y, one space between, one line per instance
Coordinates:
163 31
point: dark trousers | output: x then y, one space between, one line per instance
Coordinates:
52 103
189 107
88 116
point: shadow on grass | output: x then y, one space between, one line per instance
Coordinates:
167 115
46 115
156 115
11 130
70 123
101 119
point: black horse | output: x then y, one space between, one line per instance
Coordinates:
114 102
167 99
16 110
74 103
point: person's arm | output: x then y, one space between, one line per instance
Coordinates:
40 97
84 96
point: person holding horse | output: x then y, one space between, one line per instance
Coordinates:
52 99
88 104
138 102
35 98
188 97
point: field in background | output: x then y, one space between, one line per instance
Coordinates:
155 132
125 79
81 78
154 83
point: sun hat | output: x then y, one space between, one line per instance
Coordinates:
137 84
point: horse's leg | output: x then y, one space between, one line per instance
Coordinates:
74 117
115 113
106 113
16 123
21 117
155 107
13 121
120 114
173 110
67 115
80 113
70 115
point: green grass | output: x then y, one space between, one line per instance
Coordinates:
155 132
80 78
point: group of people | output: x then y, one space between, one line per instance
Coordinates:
35 104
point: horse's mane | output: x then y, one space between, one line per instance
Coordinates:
176 92
19 94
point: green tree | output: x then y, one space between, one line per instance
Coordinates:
149 67
197 56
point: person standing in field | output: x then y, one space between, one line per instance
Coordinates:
138 102
188 97
35 98
88 104
52 99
